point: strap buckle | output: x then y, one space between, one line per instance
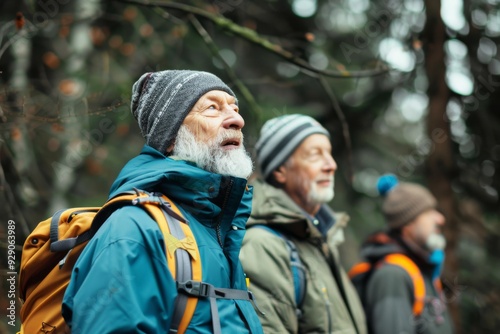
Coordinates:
194 288
254 302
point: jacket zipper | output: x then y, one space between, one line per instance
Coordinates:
327 304
219 222
319 245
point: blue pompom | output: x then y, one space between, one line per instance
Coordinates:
386 183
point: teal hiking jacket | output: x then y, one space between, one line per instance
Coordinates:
121 282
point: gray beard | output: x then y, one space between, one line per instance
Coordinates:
210 156
320 196
435 242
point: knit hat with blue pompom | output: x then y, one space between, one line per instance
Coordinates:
403 201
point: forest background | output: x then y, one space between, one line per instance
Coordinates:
409 87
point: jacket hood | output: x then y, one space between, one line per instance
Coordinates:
274 206
378 245
201 193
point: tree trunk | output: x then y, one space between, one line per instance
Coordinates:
440 164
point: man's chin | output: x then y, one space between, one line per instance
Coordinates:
435 241
233 162
322 197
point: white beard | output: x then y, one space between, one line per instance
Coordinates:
435 241
323 195
210 156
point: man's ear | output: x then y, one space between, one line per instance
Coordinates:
280 174
406 230
170 148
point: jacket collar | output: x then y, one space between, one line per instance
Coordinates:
381 243
212 199
273 206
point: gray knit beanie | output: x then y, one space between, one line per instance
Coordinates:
280 136
403 201
162 100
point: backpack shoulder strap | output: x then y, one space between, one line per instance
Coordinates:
298 271
360 275
180 245
185 265
411 268
182 254
359 268
182 257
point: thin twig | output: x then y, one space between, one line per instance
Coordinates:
65 119
166 15
215 51
3 30
21 32
343 122
252 36
11 41
11 201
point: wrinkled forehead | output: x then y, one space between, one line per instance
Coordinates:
217 97
204 116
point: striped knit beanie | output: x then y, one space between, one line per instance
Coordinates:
280 136
403 201
162 100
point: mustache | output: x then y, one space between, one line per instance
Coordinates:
329 178
229 134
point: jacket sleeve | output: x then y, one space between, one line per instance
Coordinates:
390 301
266 263
121 283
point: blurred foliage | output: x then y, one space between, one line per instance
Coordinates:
67 68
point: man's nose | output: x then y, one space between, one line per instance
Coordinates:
330 163
440 219
233 119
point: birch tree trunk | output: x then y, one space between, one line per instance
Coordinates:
73 103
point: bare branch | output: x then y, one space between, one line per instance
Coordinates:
10 200
255 38
343 122
215 51
12 116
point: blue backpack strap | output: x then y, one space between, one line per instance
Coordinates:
298 271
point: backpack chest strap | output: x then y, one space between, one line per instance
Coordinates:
206 290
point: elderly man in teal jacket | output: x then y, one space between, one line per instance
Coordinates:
194 155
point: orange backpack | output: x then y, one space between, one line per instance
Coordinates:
361 272
51 250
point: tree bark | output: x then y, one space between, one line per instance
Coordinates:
440 165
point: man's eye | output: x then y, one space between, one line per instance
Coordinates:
314 156
211 110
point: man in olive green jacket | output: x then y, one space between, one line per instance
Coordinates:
294 155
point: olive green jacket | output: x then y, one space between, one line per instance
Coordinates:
266 262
